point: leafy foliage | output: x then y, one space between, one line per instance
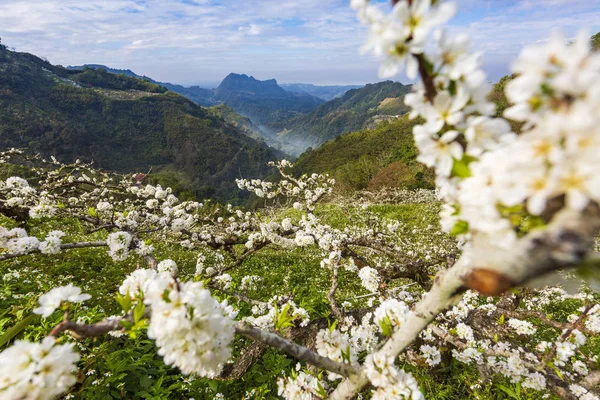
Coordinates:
596 41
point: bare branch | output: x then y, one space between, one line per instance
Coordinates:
290 348
65 246
591 381
331 294
81 331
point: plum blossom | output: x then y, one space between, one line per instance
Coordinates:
52 300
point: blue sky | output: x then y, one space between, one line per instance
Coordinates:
311 41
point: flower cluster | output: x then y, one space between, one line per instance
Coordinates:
307 190
137 283
37 370
391 314
52 300
118 245
51 245
391 383
299 386
16 241
264 314
555 93
192 330
400 37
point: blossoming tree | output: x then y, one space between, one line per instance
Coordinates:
521 206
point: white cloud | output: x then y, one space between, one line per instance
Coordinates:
190 41
251 30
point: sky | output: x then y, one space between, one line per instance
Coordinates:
310 41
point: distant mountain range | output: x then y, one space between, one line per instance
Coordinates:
324 92
291 117
124 124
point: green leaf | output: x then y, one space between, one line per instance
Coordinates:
501 320
321 392
283 319
138 312
126 324
92 212
332 326
386 326
18 328
547 89
558 373
461 169
214 386
460 228
346 355
452 88
124 301
508 391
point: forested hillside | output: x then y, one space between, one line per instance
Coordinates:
384 157
355 110
243 124
123 124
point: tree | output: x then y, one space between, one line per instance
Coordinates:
596 42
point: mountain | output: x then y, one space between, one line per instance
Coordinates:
201 96
123 124
250 86
264 102
370 159
326 93
383 156
355 110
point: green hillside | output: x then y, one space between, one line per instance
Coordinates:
244 124
355 110
123 124
370 159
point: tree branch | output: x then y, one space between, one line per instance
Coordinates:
290 348
65 246
82 331
331 294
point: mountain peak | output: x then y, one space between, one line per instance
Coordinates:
244 83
